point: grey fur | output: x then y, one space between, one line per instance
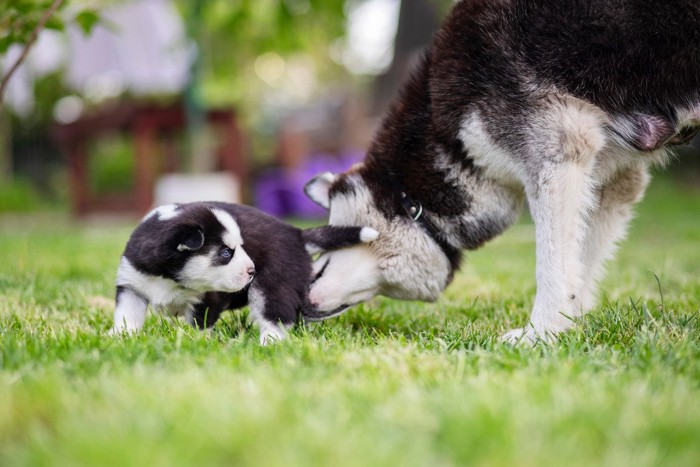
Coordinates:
563 103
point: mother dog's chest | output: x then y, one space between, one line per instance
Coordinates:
493 160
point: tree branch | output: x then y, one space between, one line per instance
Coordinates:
25 51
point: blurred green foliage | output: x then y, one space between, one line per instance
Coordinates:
19 18
18 196
230 35
230 38
21 21
111 166
234 39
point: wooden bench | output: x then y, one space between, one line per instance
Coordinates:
153 129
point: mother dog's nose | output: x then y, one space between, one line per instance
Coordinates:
251 271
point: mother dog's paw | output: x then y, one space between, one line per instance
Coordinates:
519 336
528 336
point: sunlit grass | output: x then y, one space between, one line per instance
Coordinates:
388 383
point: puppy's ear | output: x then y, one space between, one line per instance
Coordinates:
190 238
332 237
318 188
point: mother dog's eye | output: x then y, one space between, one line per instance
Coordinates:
320 273
226 253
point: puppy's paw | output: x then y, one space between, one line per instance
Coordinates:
271 334
368 234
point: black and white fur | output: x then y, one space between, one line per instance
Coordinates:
563 103
199 259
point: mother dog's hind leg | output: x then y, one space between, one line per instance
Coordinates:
608 223
561 147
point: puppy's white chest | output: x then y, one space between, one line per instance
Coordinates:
159 291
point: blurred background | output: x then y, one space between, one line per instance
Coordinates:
120 105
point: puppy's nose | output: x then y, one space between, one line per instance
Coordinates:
251 271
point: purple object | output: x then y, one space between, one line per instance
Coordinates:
281 192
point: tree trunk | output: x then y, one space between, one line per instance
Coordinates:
418 20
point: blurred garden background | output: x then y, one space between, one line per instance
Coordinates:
122 104
119 105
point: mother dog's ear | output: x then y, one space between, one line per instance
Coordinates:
190 238
319 187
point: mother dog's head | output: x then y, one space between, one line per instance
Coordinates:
405 262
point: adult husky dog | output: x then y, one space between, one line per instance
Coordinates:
565 103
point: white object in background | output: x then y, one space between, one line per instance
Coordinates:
187 188
140 46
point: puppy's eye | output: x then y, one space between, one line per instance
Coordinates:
226 253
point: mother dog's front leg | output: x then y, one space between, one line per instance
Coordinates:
561 193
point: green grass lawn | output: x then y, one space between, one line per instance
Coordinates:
389 383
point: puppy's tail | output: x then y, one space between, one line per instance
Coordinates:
333 237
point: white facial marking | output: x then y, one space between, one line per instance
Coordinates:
350 276
232 236
201 274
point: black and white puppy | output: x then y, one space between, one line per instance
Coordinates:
199 259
